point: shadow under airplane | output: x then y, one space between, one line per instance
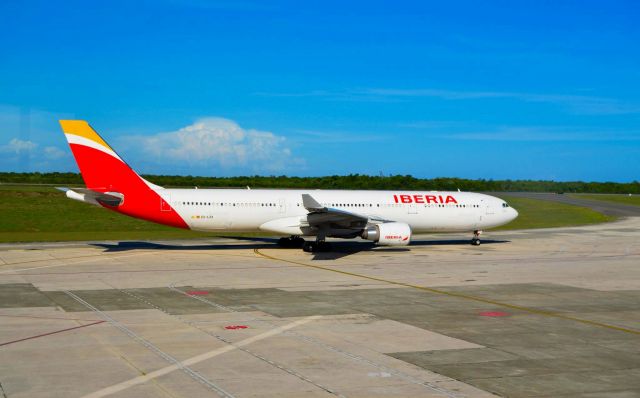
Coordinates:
338 250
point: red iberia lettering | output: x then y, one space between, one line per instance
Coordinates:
424 199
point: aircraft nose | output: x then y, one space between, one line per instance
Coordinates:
514 213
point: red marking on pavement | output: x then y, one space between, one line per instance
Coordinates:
48 317
493 314
197 292
234 327
50 333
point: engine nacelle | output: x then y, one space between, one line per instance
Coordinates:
388 234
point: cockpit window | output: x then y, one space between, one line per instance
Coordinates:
505 205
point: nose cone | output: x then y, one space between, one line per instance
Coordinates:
513 214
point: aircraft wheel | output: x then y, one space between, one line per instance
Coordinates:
475 242
294 241
309 247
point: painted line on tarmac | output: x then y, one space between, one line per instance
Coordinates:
198 358
228 341
150 346
355 357
50 333
51 259
146 270
458 295
48 317
73 263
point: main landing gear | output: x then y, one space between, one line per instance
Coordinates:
475 241
292 242
317 246
310 247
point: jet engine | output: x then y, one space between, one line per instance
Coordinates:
388 234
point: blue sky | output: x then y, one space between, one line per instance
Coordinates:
502 89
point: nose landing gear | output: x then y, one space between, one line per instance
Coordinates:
475 241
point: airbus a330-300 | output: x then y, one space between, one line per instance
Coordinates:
384 217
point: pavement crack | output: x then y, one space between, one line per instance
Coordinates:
231 343
4 394
146 343
329 347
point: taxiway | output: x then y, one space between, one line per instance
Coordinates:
529 313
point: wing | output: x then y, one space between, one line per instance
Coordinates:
335 222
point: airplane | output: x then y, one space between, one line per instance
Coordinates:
388 218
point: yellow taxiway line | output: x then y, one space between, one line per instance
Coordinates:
458 295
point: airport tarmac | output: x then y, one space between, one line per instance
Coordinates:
539 313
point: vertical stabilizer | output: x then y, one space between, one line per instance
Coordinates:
104 171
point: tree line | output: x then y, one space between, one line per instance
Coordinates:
351 181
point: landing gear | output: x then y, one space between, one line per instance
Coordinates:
315 247
475 241
291 242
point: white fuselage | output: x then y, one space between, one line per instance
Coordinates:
281 211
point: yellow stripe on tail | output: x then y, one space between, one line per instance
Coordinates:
82 129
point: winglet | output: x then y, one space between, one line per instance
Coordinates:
311 204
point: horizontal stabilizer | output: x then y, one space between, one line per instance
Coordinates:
112 199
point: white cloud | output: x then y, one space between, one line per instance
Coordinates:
23 154
26 155
54 153
28 138
336 137
18 147
575 104
534 133
581 104
214 141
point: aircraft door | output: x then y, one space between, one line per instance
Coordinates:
412 209
490 209
220 215
282 206
164 204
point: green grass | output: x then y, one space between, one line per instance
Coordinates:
624 199
42 213
546 214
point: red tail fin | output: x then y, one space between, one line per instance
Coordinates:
104 171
